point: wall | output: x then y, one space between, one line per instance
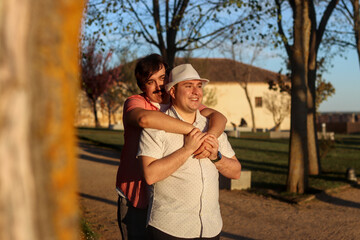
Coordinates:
232 102
342 127
84 116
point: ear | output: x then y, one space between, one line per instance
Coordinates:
172 92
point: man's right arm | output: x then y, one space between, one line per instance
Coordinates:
140 117
156 170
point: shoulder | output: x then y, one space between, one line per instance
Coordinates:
151 134
136 98
135 101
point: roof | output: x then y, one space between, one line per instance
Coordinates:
227 70
222 70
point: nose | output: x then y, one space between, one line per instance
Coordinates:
196 90
157 85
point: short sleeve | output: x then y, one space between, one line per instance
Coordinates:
151 144
134 102
225 147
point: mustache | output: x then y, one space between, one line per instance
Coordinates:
160 91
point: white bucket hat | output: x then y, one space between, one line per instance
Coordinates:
183 72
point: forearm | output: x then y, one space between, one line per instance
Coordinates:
217 121
157 170
229 167
161 121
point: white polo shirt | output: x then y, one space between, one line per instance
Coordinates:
185 204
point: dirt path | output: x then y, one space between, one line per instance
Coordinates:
246 216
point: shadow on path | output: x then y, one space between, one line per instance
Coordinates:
337 201
84 195
99 160
95 149
233 236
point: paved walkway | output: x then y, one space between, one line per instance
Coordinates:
246 216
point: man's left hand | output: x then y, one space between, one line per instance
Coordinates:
207 148
201 152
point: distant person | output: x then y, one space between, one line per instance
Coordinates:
243 123
233 125
184 191
140 111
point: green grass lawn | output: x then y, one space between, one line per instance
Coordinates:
268 158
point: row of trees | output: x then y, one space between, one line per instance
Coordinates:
101 82
310 31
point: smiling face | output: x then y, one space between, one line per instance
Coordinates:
154 87
187 96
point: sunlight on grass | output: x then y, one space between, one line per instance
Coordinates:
267 158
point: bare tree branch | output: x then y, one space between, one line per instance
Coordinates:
280 27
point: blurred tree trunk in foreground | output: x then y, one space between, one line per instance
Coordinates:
38 87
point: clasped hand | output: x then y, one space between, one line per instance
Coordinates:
203 145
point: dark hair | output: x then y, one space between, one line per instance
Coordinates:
147 66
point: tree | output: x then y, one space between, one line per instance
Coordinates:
244 77
324 89
356 18
278 104
309 53
127 77
209 98
39 83
298 54
96 78
317 33
113 97
174 26
352 16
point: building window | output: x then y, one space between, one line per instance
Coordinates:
258 102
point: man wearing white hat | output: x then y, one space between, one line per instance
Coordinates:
184 191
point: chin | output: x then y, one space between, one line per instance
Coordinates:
195 107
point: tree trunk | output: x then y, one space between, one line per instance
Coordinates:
315 40
277 127
39 82
244 85
96 119
170 57
313 147
298 157
109 114
251 108
355 4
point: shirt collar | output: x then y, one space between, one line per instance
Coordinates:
177 115
161 107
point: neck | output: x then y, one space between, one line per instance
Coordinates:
188 117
